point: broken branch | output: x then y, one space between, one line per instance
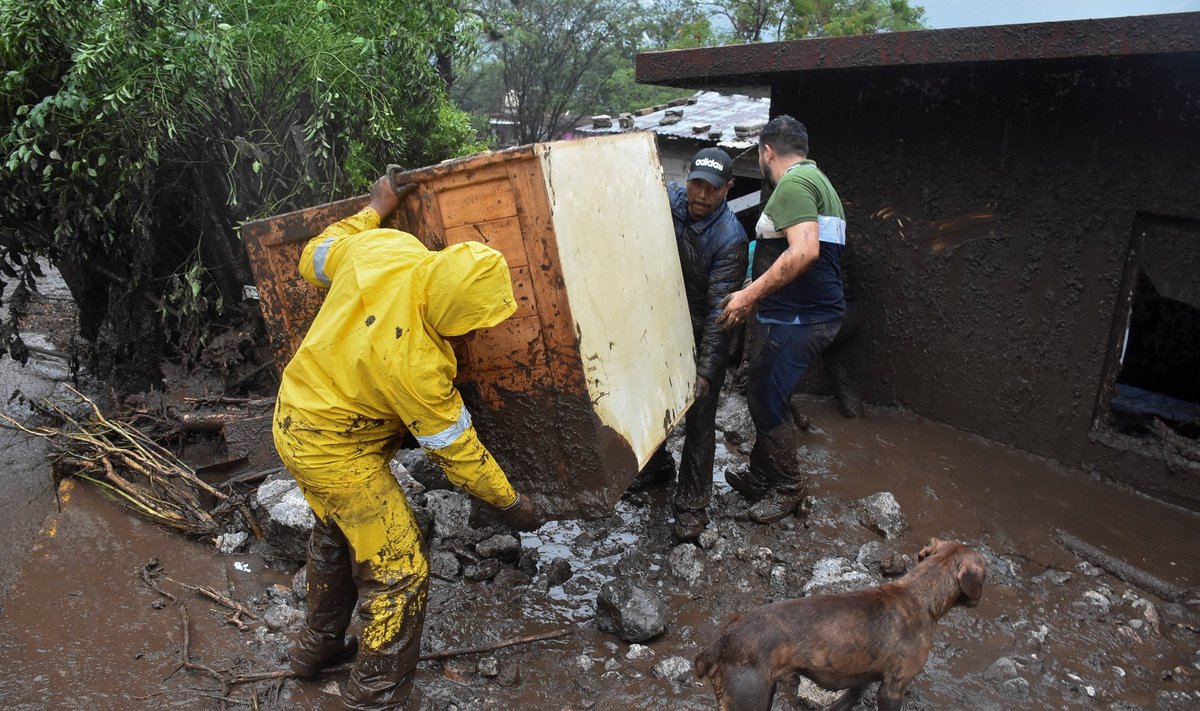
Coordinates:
1123 570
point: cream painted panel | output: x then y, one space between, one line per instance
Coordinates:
617 247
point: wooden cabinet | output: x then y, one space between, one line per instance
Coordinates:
575 391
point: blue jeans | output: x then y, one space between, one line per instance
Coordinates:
786 351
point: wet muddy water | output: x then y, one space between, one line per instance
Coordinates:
81 629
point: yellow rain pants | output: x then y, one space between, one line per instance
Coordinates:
375 363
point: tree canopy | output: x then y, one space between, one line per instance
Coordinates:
138 134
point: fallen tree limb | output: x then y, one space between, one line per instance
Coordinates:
446 654
432 656
219 598
1123 570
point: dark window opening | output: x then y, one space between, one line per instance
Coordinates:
1159 376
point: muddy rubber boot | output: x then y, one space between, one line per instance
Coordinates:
779 503
689 525
331 597
774 460
745 483
383 680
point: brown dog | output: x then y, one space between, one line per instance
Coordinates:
844 641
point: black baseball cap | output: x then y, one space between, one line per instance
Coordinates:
713 165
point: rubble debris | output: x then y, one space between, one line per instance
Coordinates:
602 121
836 575
630 612
287 519
881 513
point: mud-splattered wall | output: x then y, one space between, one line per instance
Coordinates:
993 208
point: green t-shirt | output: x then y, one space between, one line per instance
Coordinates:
804 194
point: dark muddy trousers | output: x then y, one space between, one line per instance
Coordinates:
781 360
382 675
694 489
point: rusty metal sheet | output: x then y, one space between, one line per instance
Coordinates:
523 380
751 64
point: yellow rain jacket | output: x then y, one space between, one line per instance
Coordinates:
376 360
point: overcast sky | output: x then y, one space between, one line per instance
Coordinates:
966 13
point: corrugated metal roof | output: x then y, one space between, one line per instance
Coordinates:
721 113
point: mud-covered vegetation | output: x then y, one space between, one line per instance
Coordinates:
138 134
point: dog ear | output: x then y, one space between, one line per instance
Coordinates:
971 575
929 549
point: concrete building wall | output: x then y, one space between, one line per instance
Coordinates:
995 210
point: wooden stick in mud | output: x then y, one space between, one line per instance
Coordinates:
1123 570
185 654
218 597
498 645
432 656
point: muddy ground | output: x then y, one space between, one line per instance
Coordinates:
83 626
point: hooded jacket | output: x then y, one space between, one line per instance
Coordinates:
375 360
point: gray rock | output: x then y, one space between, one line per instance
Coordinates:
685 562
1097 600
421 468
1017 688
814 696
1003 668
836 575
444 565
708 538
283 618
602 121
630 612
489 667
874 556
483 570
1000 571
760 558
286 518
1058 578
639 652
512 578
584 663
1149 614
559 571
749 128
230 543
300 583
677 670
411 486
502 547
881 513
451 512
528 562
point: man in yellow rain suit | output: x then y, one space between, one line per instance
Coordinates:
377 362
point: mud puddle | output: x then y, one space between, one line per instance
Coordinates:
82 629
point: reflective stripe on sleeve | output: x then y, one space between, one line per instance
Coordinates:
446 437
831 229
319 256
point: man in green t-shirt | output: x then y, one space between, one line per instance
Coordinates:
798 294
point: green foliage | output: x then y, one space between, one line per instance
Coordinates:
135 130
549 61
829 18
